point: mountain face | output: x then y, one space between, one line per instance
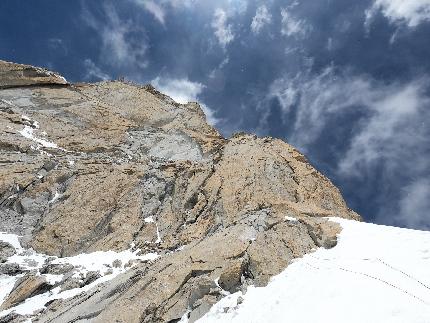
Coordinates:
129 207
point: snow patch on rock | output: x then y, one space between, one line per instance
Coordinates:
290 219
28 132
149 219
108 264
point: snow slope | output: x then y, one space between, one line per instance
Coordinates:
374 274
99 261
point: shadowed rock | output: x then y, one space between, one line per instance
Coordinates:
6 250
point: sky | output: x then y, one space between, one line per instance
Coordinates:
346 82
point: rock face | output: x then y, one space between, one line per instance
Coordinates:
12 75
25 287
89 167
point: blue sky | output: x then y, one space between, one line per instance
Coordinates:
347 82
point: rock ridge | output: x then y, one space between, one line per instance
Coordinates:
115 166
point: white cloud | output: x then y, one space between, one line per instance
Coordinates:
291 26
94 72
183 91
394 111
120 46
180 90
221 65
154 8
415 204
223 30
181 3
392 136
262 18
409 12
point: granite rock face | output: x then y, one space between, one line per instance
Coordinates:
88 167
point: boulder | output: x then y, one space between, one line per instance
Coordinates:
27 286
230 279
10 269
56 269
6 250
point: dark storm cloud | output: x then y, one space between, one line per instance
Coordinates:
347 82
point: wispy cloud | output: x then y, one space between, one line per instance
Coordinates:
181 3
397 112
154 8
262 18
415 204
409 12
123 42
57 44
381 143
183 91
93 72
292 26
223 30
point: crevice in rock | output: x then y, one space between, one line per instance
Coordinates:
86 317
37 85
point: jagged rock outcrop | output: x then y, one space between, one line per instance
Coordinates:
12 75
89 167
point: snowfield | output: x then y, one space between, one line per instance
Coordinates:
375 274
